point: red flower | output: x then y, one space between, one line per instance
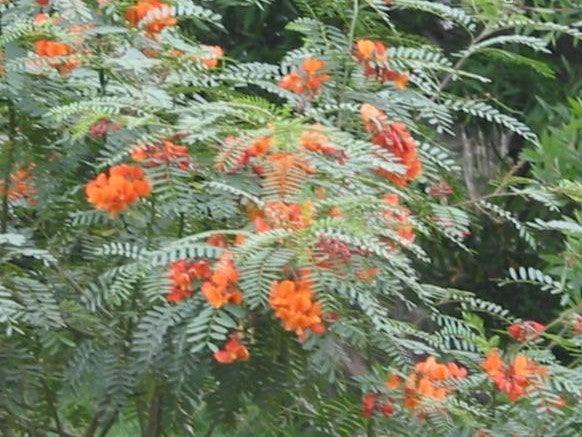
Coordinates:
527 330
512 379
182 274
307 79
369 404
232 351
395 138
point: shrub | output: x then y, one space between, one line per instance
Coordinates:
188 238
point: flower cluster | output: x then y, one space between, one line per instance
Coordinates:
102 127
307 79
257 148
118 188
183 273
50 50
220 288
293 303
395 138
163 16
316 141
371 403
527 330
20 186
515 378
166 153
279 214
374 59
428 380
232 351
398 217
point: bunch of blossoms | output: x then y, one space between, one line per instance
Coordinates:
395 138
374 59
514 378
167 153
20 186
296 186
118 188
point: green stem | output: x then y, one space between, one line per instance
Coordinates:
10 148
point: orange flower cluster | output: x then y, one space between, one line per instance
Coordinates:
259 147
316 141
527 330
293 304
515 378
116 190
307 79
428 380
374 58
395 138
210 61
166 153
370 404
20 187
278 214
232 351
164 18
53 49
220 288
399 217
183 273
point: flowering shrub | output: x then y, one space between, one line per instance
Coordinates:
186 236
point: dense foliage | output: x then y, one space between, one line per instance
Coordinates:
210 228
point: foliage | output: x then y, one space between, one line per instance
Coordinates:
188 238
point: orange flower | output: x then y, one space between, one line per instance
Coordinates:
116 190
368 274
278 214
53 49
216 53
182 275
373 57
307 79
515 378
398 217
316 141
395 138
233 351
393 382
163 13
428 380
368 50
293 304
167 153
220 288
20 186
